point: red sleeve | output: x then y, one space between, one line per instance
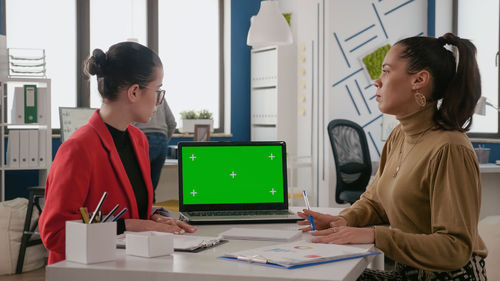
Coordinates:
66 191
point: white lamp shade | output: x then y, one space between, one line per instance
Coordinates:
481 106
269 27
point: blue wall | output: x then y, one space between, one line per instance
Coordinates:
16 182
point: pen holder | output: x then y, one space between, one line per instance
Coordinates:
149 244
483 155
90 243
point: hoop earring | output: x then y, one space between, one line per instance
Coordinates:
420 99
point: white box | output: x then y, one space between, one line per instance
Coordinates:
149 244
90 243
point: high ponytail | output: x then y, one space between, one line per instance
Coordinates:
456 78
464 90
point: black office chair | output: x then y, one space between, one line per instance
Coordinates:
352 159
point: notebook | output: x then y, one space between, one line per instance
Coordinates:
233 182
183 243
299 254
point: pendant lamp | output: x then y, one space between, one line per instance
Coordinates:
269 27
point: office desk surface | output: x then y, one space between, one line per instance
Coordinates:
205 265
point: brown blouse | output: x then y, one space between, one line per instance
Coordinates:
432 204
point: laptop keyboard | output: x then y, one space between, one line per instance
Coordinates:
239 213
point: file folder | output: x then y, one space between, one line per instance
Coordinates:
42 147
42 106
30 104
13 149
23 148
299 254
33 148
17 112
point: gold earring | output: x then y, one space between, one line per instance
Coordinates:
420 99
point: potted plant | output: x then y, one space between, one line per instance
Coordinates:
189 118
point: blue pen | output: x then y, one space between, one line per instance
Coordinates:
309 218
119 214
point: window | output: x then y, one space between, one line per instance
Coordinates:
189 49
107 29
49 25
484 33
189 42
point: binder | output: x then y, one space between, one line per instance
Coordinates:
299 254
13 149
183 243
17 112
42 147
194 244
30 104
24 148
42 106
33 148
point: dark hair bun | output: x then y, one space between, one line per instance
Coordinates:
97 63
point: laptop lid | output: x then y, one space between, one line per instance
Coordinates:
215 176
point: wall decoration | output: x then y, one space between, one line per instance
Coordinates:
373 61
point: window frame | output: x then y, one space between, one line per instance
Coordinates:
83 52
455 30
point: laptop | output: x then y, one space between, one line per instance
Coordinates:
233 182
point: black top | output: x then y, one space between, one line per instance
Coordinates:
129 160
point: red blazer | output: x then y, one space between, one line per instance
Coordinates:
86 165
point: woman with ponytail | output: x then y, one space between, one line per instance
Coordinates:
422 208
108 154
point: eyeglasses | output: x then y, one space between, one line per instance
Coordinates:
160 95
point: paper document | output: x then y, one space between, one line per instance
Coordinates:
183 243
261 234
299 254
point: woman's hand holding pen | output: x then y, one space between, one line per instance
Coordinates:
345 235
321 221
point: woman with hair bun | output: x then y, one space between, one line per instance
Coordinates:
108 154
422 208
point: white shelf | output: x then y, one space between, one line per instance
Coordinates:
273 93
7 168
489 168
7 93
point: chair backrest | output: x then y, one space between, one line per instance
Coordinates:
351 155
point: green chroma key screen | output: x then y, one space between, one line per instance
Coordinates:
232 174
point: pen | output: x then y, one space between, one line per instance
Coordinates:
110 213
309 218
94 214
119 214
84 215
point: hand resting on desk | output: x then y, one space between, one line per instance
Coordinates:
334 229
159 223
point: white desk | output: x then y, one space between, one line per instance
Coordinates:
490 181
206 266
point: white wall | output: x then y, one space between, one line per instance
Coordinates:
329 34
444 17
